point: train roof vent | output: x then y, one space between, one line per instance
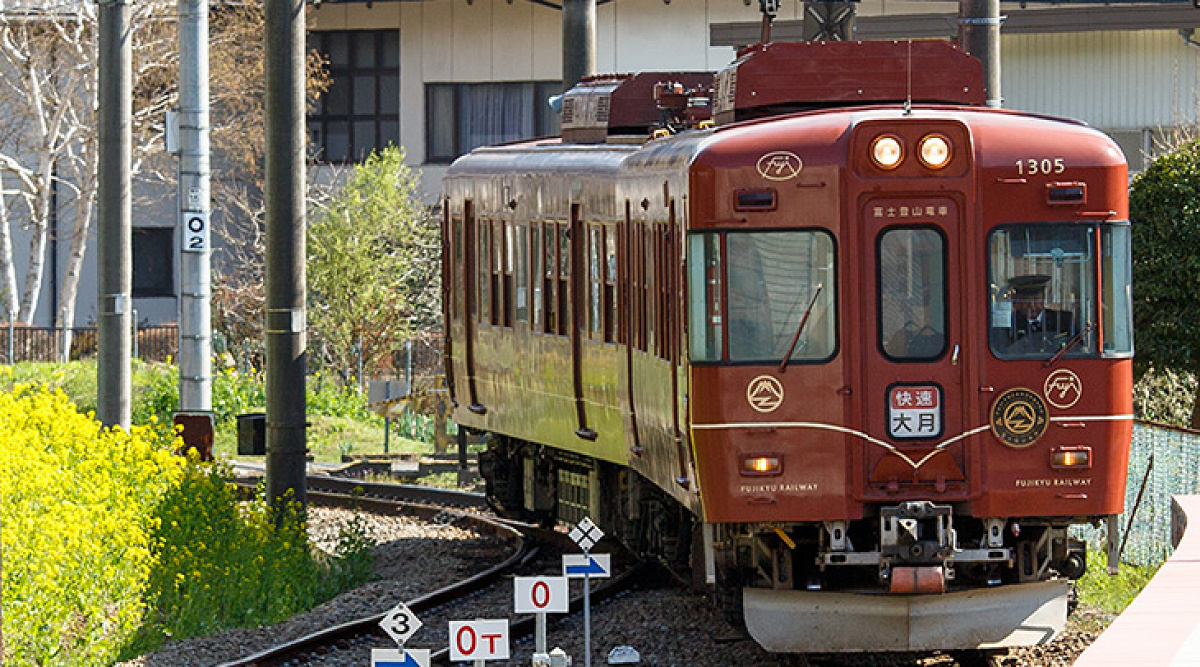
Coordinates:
783 77
602 107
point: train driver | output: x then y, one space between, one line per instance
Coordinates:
1034 326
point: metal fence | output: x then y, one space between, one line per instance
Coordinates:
25 343
1167 460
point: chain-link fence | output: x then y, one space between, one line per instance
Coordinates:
1163 461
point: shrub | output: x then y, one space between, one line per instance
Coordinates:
112 543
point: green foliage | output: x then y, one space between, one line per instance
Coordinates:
221 563
112 543
372 265
1164 395
1164 208
1112 593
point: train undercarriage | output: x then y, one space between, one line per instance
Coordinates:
911 576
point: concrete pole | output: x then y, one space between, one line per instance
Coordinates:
114 225
195 317
579 41
979 32
285 231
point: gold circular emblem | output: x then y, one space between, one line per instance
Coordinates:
1019 417
1063 389
779 166
764 393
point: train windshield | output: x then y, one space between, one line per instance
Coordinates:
1059 288
756 295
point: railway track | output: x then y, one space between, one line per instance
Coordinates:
534 551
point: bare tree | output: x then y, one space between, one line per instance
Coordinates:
48 81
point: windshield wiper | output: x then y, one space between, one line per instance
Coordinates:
800 329
1075 340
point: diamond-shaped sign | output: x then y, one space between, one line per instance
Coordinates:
586 534
400 623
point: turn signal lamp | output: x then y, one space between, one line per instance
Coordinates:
934 151
1071 458
762 464
887 151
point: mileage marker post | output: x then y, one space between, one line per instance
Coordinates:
541 596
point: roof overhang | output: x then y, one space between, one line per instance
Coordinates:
1017 21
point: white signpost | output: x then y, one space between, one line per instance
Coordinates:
400 624
586 534
541 596
479 640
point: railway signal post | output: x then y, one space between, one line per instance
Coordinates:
586 535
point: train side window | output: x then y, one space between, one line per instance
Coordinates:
535 271
507 261
564 279
1116 301
485 271
521 272
912 293
497 271
550 277
456 281
595 276
706 329
610 284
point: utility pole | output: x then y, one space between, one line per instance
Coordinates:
979 33
114 225
195 317
579 41
285 231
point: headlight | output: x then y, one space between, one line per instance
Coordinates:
887 151
934 151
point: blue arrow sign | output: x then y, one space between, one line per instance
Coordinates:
581 565
592 567
399 658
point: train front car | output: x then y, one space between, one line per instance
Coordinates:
910 339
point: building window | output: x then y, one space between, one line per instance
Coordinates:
154 270
463 116
361 110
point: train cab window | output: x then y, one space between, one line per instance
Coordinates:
912 294
753 296
1042 284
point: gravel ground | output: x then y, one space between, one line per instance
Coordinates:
667 625
411 558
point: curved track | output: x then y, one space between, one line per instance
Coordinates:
437 505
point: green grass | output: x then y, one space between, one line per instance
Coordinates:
1112 593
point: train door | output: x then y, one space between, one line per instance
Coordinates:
471 310
913 333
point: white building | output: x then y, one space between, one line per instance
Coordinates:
479 71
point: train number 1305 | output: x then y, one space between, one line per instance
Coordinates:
1034 166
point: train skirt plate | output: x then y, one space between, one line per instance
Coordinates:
827 622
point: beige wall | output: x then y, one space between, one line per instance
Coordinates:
1118 81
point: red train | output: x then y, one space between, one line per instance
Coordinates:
861 352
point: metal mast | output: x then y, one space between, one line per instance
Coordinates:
195 321
114 225
285 231
979 32
579 41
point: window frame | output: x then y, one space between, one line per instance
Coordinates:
544 122
947 318
384 116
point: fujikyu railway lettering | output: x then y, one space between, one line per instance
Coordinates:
778 488
1052 482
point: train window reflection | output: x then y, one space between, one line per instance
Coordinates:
751 292
912 294
1042 284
